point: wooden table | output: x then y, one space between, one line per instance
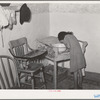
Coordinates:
58 58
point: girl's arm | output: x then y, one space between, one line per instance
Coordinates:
84 45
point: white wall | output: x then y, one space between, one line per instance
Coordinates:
38 27
86 27
49 19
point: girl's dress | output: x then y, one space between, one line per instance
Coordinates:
77 59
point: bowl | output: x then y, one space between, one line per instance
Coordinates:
59 47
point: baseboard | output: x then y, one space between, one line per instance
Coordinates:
90 76
93 76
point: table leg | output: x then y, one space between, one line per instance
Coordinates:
62 64
55 75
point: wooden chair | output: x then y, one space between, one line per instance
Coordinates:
8 73
26 69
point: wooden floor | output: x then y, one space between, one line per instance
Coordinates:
68 83
90 82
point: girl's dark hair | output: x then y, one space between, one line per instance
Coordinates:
62 34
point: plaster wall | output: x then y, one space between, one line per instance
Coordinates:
84 21
38 27
50 19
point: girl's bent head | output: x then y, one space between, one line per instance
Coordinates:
61 35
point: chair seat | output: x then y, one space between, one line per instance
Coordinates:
35 66
32 67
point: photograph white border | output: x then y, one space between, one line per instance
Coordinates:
50 94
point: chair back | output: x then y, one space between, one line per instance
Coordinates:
19 47
8 72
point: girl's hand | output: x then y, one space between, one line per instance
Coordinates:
65 52
84 45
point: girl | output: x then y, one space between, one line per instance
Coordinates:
77 60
